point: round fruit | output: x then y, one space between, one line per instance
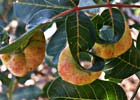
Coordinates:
68 70
34 54
107 51
22 62
17 64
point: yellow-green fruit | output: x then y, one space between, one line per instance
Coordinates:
107 51
19 64
67 69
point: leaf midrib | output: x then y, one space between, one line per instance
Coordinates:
45 6
123 60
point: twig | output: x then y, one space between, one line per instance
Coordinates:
135 92
111 5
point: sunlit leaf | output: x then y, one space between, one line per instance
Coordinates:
98 90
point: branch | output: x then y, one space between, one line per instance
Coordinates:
75 9
111 5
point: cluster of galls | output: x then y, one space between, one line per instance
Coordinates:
20 63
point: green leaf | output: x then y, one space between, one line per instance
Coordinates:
20 41
5 80
45 88
98 90
80 32
136 26
97 21
11 88
138 74
69 3
124 65
1 8
41 16
3 96
57 41
138 42
27 93
130 1
101 1
4 37
81 37
35 12
106 34
22 80
113 26
88 3
113 79
0 62
95 63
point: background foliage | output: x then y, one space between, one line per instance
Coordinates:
19 19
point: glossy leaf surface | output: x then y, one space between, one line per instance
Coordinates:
124 65
57 41
113 26
98 90
35 12
81 38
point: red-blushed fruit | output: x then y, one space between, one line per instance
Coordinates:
22 62
68 70
34 54
5 58
108 51
17 64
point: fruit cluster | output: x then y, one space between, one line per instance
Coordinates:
19 63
